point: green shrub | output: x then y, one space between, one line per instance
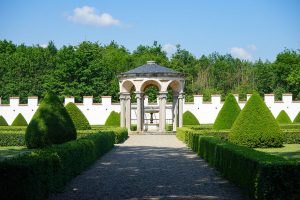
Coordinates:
227 114
19 121
283 118
3 122
78 118
113 119
47 170
169 127
189 119
289 126
51 124
297 119
255 126
291 136
261 175
133 127
12 138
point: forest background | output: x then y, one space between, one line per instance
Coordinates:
91 69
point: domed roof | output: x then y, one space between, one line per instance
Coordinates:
151 69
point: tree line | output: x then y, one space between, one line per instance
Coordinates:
92 68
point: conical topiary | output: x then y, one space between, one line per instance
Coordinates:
19 121
297 119
3 122
227 114
283 118
189 119
113 119
78 118
256 126
51 124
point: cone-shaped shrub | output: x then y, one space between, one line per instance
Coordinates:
3 122
189 119
51 124
227 114
19 121
297 119
283 118
78 118
113 119
256 126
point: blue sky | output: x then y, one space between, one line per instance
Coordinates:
248 29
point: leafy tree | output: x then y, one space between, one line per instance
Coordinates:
227 114
51 124
256 126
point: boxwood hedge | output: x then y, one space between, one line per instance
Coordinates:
283 118
256 126
19 121
3 122
297 119
78 118
189 119
113 119
42 171
227 114
51 124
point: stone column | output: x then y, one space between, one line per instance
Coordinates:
139 108
128 111
180 109
122 108
175 111
162 110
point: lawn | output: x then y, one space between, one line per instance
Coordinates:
289 151
11 151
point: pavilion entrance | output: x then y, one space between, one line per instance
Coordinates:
151 117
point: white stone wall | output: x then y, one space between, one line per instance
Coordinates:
97 113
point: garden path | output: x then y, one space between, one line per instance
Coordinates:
150 167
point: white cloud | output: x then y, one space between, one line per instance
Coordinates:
44 45
88 15
252 47
240 53
169 48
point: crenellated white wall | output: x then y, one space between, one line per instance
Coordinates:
97 113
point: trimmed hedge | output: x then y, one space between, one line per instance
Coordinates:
3 122
16 136
289 126
261 175
113 119
297 119
47 170
227 114
283 118
19 121
51 124
256 126
78 118
189 119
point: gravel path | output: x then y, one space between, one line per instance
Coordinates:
150 167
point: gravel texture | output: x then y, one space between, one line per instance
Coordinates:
150 167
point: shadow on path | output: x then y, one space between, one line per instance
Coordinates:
148 172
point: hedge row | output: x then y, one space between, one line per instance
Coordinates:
47 170
16 136
289 126
189 135
261 175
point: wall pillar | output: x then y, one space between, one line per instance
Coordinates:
180 109
139 108
175 111
128 111
162 110
122 113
